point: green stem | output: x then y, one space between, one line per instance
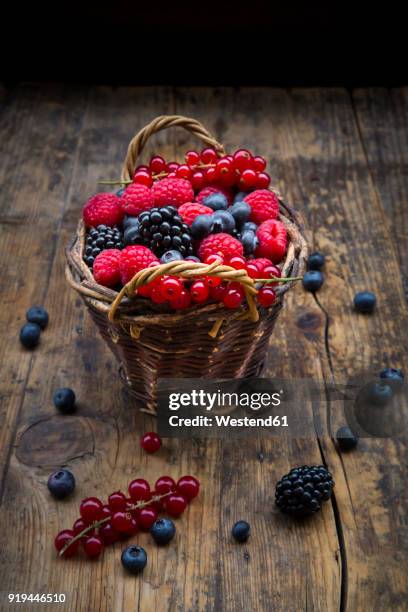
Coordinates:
96 524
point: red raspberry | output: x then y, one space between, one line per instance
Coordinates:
136 198
102 209
188 212
264 205
261 263
106 268
210 189
175 191
272 240
219 244
132 259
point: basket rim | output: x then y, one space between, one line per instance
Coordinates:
134 311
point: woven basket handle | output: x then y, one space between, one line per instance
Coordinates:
163 122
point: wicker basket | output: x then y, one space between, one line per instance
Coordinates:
206 341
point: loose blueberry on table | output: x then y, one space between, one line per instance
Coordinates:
209 209
346 439
61 483
134 559
163 531
64 400
30 335
365 302
37 314
240 531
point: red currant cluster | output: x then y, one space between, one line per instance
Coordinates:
241 169
103 524
180 293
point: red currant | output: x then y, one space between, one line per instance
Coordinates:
217 293
108 534
258 163
248 179
172 166
214 258
139 490
143 177
237 262
209 156
197 180
242 159
236 286
199 291
213 281
171 175
263 181
224 172
209 175
62 538
157 164
253 271
271 272
188 486
182 301
232 298
106 511
192 158
156 295
91 509
79 526
122 521
184 171
175 504
171 287
146 517
164 484
134 528
266 296
117 501
93 546
150 442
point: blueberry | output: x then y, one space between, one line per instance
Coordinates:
193 258
313 280
132 235
345 438
130 222
380 394
249 242
171 255
202 226
240 211
393 374
61 483
30 335
163 530
37 314
315 261
240 196
134 559
250 225
364 302
64 400
240 531
119 193
216 201
227 220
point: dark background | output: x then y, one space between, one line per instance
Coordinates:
210 43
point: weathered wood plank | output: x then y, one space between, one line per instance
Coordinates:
351 227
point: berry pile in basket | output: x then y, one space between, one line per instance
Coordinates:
210 209
100 524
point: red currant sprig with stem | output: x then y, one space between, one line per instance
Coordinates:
89 529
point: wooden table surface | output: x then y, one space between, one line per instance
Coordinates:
342 160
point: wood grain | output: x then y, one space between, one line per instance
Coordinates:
324 156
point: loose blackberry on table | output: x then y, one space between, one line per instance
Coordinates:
302 491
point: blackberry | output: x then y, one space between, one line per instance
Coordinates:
100 238
302 491
162 229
